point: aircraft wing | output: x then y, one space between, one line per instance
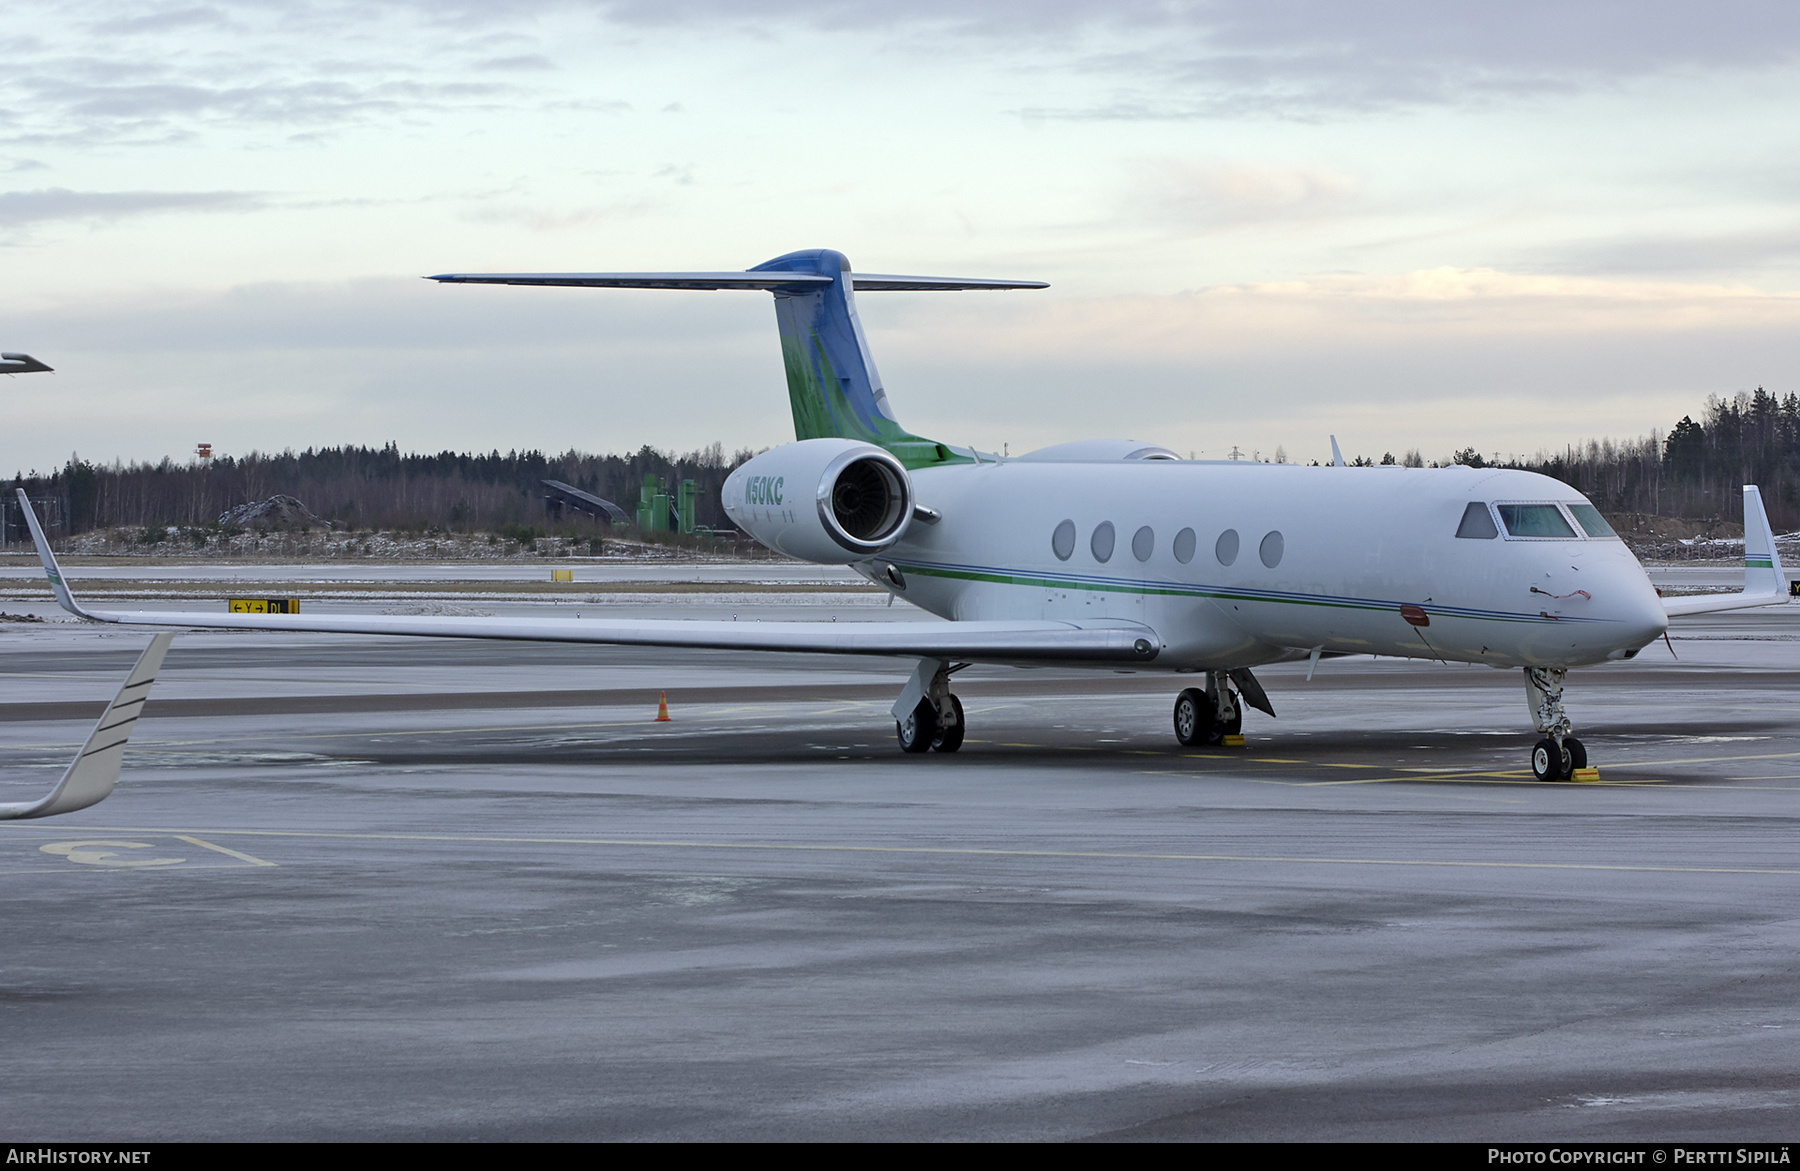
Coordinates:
94 772
1092 641
21 364
1765 582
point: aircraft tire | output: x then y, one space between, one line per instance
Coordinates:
951 738
917 731
1576 751
1549 763
1194 723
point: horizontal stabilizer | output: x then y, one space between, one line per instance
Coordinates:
639 280
94 772
769 281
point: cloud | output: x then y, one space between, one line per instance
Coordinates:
1318 40
1212 193
167 20
18 208
540 219
523 63
1297 58
1745 250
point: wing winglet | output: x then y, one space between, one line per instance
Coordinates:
1765 581
1762 566
51 569
93 774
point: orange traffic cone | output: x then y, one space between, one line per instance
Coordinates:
662 707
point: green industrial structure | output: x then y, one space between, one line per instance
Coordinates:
659 512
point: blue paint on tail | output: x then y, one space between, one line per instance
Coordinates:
833 386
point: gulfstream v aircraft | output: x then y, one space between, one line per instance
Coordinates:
1116 553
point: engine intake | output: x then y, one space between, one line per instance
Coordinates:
861 499
865 500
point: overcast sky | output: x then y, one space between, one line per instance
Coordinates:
1426 225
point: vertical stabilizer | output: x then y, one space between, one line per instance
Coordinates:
1763 573
833 386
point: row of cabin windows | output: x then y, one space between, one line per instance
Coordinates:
1143 543
1537 521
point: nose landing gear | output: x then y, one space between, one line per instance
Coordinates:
1558 754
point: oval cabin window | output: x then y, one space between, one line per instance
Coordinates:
1102 543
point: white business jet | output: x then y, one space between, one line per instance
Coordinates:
1117 553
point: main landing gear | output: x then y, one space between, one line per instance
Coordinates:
1558 754
1207 717
927 716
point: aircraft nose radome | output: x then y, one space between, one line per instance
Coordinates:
1638 610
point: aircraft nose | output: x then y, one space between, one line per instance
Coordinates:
1635 608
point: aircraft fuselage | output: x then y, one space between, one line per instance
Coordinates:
1240 564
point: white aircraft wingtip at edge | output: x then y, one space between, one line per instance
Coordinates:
1765 581
93 774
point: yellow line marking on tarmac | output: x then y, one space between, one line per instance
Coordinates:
1506 777
1701 760
254 861
964 851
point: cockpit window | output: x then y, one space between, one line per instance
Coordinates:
1477 523
1590 520
1534 520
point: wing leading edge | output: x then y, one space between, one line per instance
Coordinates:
1099 641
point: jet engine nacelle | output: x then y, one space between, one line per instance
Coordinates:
833 501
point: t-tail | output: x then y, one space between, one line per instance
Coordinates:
833 386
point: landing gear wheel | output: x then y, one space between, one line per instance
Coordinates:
950 739
1576 753
917 731
1194 722
1550 763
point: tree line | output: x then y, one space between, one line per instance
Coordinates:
372 488
1698 469
1694 471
